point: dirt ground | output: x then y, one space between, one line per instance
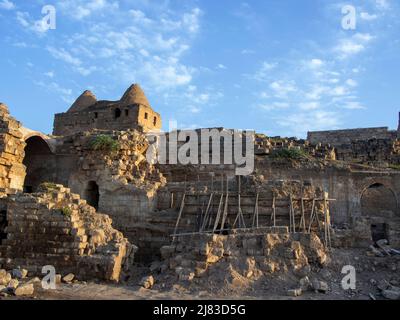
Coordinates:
372 274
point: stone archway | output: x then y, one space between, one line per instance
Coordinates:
379 204
378 200
39 162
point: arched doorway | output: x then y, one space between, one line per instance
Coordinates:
379 202
39 162
92 194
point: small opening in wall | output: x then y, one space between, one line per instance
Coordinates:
146 115
3 225
117 113
28 189
92 194
126 112
155 121
379 231
96 115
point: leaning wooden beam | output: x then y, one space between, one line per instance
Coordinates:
218 212
179 215
255 215
303 217
203 226
311 216
172 200
225 212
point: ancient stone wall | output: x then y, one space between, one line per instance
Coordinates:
12 171
56 227
339 137
126 183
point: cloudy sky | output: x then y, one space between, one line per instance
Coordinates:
281 67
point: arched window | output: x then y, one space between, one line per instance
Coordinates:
117 113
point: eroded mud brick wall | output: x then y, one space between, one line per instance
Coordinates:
56 227
12 171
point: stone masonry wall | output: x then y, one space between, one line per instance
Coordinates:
56 227
12 171
339 137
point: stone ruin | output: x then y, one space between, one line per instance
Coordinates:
86 200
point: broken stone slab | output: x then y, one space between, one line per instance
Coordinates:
319 286
295 292
147 282
305 283
13 284
5 277
391 294
24 290
68 278
19 273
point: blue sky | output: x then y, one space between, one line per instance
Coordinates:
281 67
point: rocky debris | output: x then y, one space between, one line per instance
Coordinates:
68 278
392 294
24 290
5 277
295 292
319 286
13 284
147 282
19 273
237 260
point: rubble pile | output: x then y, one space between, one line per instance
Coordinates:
242 257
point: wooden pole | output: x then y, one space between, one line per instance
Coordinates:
274 210
311 216
218 212
207 212
255 214
179 215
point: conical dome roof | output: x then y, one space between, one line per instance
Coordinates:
85 100
135 95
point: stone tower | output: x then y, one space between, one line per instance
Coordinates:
132 111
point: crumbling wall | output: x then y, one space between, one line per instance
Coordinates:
56 227
12 171
127 183
242 256
340 137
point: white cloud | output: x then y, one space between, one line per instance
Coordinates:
315 63
81 9
313 105
382 4
351 46
63 55
221 66
283 88
351 83
265 71
368 17
7 5
300 123
49 74
274 106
